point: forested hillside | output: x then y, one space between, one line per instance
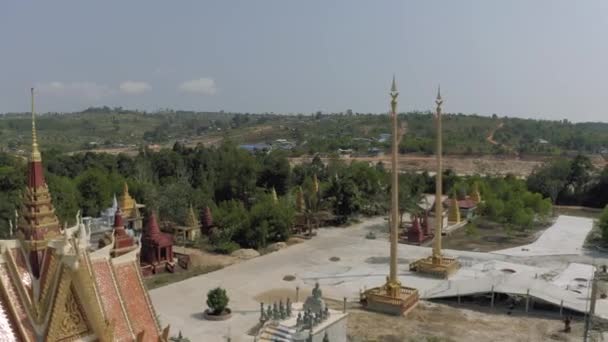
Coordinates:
106 128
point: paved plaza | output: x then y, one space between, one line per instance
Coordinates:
363 264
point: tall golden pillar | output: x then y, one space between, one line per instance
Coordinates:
438 183
437 264
392 298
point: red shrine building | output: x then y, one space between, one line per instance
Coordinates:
53 289
156 249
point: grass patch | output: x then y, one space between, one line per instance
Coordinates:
163 279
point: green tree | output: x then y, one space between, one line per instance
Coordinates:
232 219
65 198
270 221
275 172
95 191
217 300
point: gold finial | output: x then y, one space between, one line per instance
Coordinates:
439 100
35 152
394 93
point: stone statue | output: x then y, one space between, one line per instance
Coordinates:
275 311
269 312
282 313
262 313
299 319
326 313
315 302
288 307
316 292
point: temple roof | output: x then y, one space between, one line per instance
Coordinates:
51 290
152 233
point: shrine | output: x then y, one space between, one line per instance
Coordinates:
437 264
312 320
131 210
190 231
53 289
156 249
392 298
206 221
121 241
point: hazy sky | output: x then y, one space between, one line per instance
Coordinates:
542 59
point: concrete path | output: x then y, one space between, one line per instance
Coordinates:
565 236
363 264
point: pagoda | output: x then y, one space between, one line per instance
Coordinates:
156 249
130 210
206 221
191 230
437 264
121 241
392 298
53 289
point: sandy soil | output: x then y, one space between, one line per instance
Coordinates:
202 258
438 322
489 237
462 165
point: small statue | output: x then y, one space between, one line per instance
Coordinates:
269 312
299 319
326 312
282 312
275 311
316 292
262 313
288 307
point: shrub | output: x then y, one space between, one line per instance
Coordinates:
217 300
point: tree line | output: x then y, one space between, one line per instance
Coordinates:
254 198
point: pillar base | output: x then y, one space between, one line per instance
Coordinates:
392 299
442 268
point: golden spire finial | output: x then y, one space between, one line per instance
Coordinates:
394 94
35 152
439 100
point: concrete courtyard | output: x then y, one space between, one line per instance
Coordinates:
539 269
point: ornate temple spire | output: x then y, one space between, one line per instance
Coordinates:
126 203
118 223
152 230
35 152
38 222
191 220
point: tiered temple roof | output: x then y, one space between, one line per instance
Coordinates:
53 289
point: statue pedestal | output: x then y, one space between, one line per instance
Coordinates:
442 268
392 299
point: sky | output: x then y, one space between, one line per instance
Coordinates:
539 59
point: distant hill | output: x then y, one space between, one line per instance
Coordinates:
362 134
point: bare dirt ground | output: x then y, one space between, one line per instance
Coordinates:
462 165
439 322
459 164
489 237
202 258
